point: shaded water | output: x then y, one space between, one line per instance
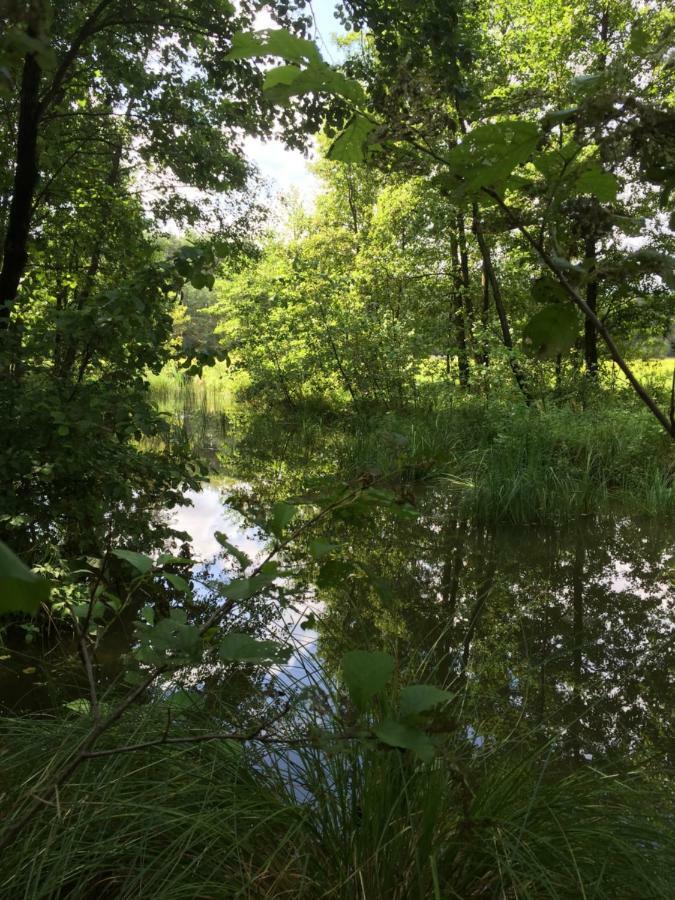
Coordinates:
568 630
565 632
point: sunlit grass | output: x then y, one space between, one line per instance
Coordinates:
507 462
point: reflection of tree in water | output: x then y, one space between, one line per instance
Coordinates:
568 630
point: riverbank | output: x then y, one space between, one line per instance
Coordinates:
503 461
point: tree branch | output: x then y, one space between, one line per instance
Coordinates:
590 315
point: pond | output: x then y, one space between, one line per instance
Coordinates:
564 633
566 630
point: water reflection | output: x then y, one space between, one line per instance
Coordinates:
567 630
563 633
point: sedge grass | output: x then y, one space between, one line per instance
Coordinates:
489 818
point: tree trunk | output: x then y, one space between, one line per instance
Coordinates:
485 317
458 312
15 250
484 591
26 173
466 279
578 638
590 331
488 268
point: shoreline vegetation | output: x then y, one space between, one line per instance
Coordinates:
503 462
337 539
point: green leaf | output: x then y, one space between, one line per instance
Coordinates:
639 40
320 548
200 280
490 153
596 181
365 675
551 331
396 734
285 75
338 84
282 515
180 584
244 588
584 83
546 289
140 562
272 42
165 559
20 589
285 82
350 146
237 647
243 560
419 698
560 115
170 639
80 706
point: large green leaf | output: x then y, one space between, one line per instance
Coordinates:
551 331
287 81
20 589
243 588
284 75
170 639
596 181
177 582
241 557
396 734
490 153
272 42
351 145
320 548
366 674
282 516
238 647
140 562
419 698
546 290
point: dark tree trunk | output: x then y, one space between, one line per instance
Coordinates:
590 246
459 313
578 638
493 281
484 591
26 173
590 331
466 278
15 250
485 316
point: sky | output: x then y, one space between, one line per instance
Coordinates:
287 170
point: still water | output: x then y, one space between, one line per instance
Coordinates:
567 632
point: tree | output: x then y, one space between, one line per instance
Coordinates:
528 170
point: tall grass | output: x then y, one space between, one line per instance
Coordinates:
198 407
220 821
527 465
508 462
200 822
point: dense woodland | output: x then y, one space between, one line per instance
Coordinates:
439 399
